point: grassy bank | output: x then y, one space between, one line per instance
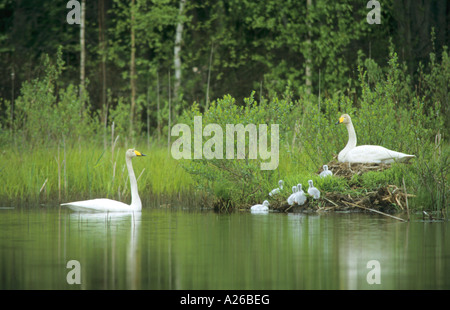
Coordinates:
49 175
56 149
309 139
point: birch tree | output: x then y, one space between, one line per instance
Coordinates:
82 49
177 49
132 66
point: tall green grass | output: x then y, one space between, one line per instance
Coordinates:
49 175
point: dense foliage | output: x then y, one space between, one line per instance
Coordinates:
227 47
386 114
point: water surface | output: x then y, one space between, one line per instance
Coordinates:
181 249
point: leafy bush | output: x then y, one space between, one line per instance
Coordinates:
388 113
241 180
44 114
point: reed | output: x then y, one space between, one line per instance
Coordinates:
43 175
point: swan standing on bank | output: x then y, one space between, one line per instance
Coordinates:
108 205
300 197
277 190
366 153
325 172
312 191
260 208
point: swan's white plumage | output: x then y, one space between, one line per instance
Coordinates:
325 172
101 205
312 191
260 207
109 205
291 198
277 190
300 197
366 153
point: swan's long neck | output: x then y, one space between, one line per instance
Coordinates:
135 199
351 136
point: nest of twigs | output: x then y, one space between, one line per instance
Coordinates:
386 199
348 170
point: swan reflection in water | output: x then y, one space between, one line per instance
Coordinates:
116 232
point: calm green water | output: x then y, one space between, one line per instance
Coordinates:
181 249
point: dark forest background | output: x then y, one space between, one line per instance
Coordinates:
224 47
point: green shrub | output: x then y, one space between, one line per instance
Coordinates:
45 114
243 178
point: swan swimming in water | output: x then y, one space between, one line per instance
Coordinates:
325 172
366 153
109 205
277 190
260 208
300 197
312 191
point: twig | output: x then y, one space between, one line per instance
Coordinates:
398 201
406 197
331 202
429 215
288 208
376 211
43 185
59 175
140 175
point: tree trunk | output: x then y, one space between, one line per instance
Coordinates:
132 68
102 49
158 111
102 25
209 77
82 50
308 55
176 52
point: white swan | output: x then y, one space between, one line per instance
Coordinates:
366 153
277 190
291 198
300 197
325 172
108 205
260 208
312 191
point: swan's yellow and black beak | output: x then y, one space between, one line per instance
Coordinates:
138 153
341 120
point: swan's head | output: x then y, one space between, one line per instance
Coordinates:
310 182
133 153
280 183
294 189
344 119
265 203
325 167
299 187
